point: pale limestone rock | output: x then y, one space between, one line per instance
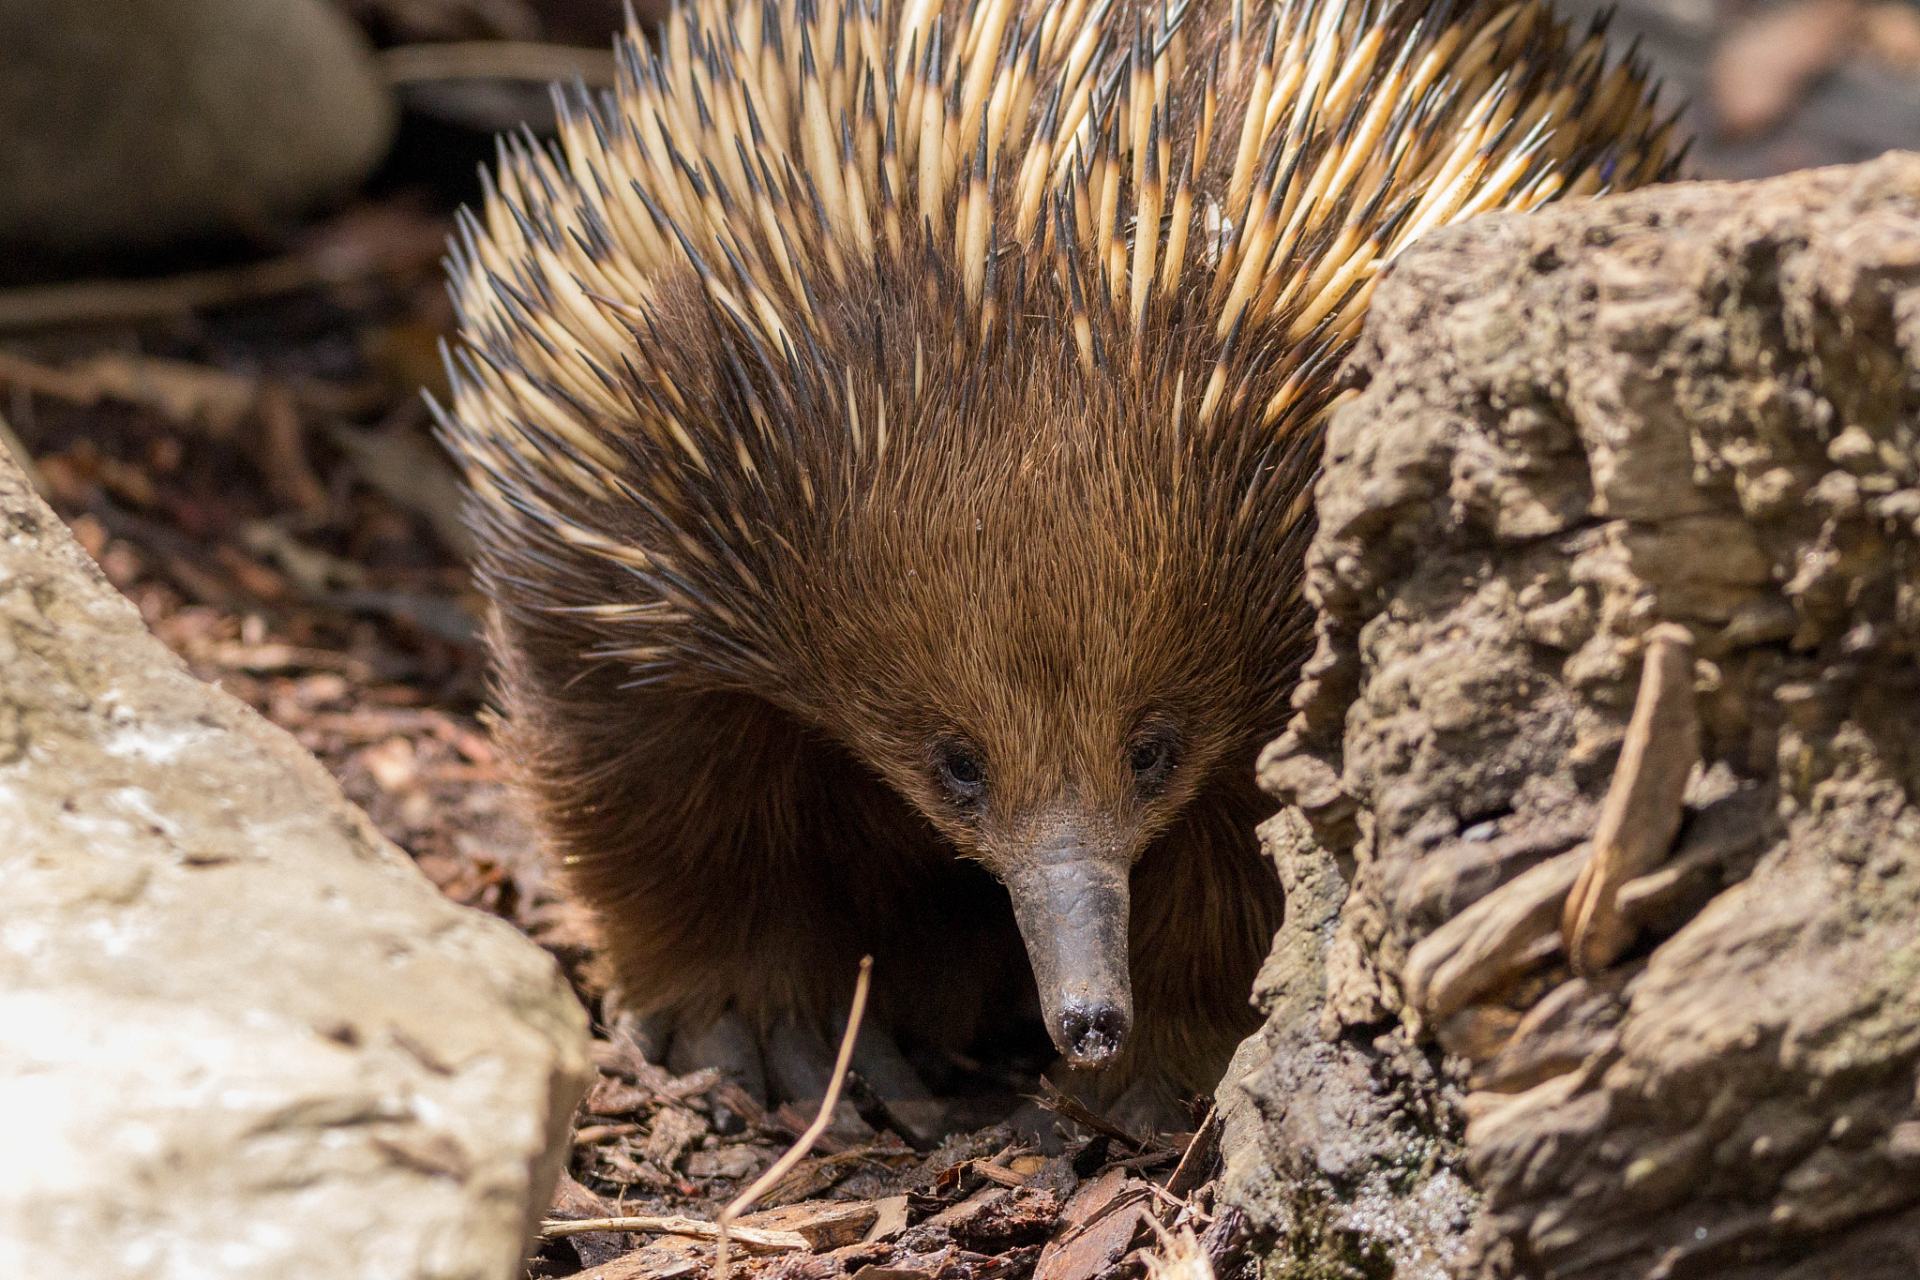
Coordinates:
240 1035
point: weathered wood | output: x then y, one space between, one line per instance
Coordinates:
1690 407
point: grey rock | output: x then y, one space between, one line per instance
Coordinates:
129 124
240 1034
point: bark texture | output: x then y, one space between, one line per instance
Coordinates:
1692 405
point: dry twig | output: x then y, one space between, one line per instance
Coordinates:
124 301
778 1169
1173 1202
766 1241
1073 1109
1197 1161
496 60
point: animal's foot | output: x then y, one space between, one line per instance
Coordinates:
1149 1106
1143 1108
791 1061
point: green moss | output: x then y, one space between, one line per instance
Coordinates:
1315 1247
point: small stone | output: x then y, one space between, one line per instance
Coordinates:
131 125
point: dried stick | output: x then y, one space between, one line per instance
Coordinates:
767 1241
496 60
1068 1107
124 301
1173 1202
1641 814
1197 1161
799 1149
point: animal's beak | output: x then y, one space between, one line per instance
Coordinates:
1071 905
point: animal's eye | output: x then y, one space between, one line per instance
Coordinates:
1152 757
960 771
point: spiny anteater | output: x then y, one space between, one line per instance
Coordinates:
891 426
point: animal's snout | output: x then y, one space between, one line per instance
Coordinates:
1071 904
1091 1033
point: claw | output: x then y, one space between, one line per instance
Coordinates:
727 1044
799 1061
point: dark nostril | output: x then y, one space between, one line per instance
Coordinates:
1092 1034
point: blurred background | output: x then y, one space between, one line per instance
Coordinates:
221 224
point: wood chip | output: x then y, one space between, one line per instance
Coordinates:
824 1224
998 1219
809 1178
1093 1251
1096 1229
644 1264
973 1205
1092 1198
732 1161
889 1220
613 1097
1641 814
622 1058
571 1200
674 1129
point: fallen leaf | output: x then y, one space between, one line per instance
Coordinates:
1761 71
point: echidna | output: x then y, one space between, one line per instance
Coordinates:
891 426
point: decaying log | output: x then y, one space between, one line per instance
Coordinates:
1611 747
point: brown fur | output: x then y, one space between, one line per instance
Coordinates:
755 551
1035 577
